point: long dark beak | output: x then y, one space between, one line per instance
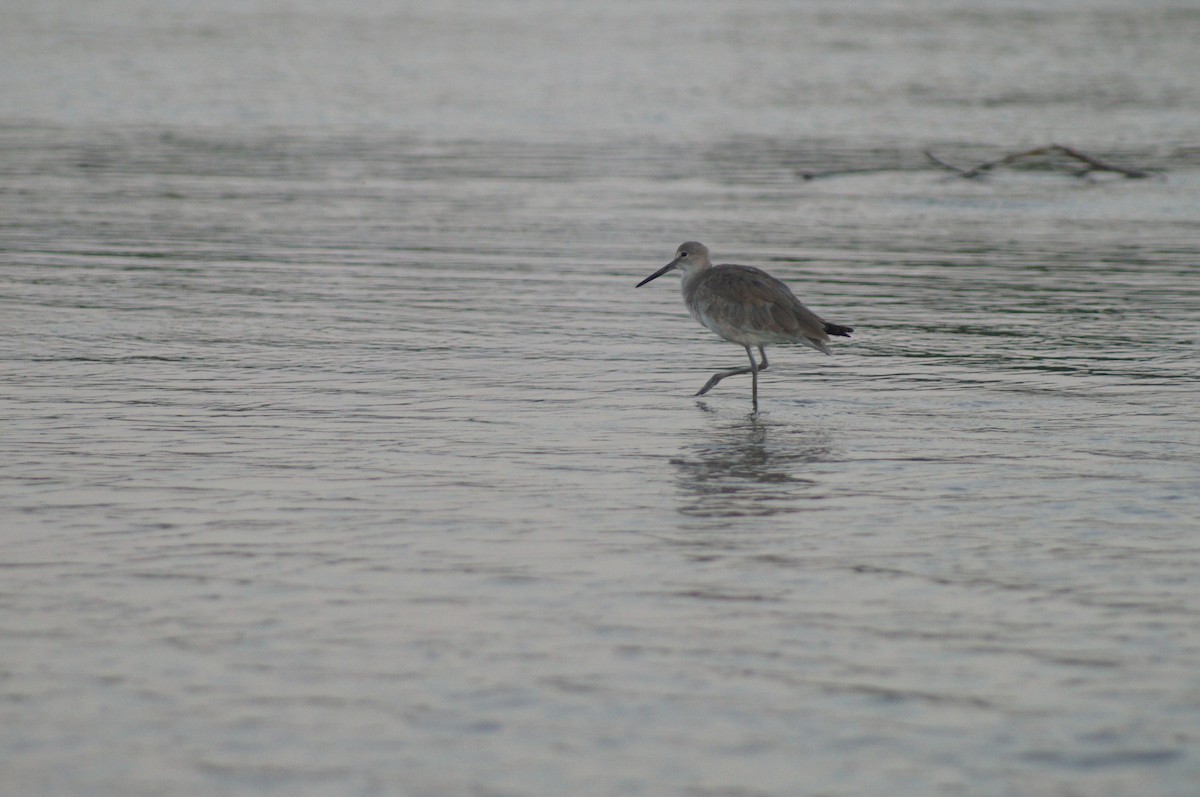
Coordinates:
659 273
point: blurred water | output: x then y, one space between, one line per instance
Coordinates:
342 457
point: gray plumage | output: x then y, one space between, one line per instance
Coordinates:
747 306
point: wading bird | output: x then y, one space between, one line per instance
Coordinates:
746 306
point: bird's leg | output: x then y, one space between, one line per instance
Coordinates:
763 365
754 376
753 368
717 377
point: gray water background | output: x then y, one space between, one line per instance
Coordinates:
341 457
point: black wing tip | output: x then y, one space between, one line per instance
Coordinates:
838 329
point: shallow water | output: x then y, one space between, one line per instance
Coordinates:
342 456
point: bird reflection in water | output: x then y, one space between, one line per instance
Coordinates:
749 467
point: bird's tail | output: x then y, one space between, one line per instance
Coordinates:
838 329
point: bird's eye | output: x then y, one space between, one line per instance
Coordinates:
683 254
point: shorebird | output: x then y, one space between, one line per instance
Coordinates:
746 306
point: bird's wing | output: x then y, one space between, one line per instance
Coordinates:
753 300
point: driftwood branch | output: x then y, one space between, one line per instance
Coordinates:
1090 164
811 175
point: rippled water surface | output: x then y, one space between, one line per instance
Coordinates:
341 455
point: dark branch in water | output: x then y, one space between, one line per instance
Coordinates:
811 175
1090 163
950 167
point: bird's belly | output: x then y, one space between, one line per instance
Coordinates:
739 333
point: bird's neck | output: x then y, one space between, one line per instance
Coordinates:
690 275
